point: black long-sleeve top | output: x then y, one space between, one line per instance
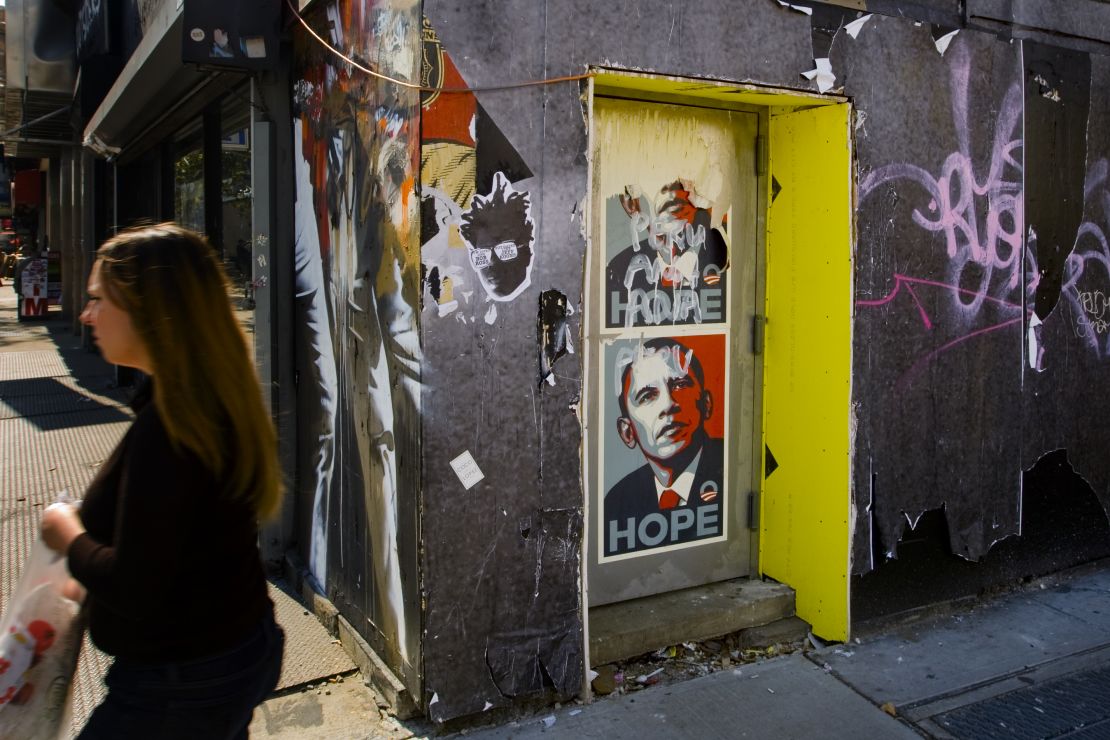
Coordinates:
170 562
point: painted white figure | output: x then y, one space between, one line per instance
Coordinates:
315 346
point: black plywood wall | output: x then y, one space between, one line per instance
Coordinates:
965 147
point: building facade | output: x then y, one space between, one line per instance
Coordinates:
812 292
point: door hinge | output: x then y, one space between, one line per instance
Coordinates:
760 155
753 511
758 334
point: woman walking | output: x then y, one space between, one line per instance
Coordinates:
166 540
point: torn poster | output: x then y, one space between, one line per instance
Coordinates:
856 26
554 332
799 8
822 73
943 42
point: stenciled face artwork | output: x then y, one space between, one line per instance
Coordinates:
673 493
498 231
664 405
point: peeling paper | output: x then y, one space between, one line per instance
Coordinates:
861 120
1034 356
554 332
549 720
822 73
856 26
943 42
591 674
435 698
487 707
799 8
446 308
1047 91
491 314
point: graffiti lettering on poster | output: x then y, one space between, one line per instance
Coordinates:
663 471
668 269
498 231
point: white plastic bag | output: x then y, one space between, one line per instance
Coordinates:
40 638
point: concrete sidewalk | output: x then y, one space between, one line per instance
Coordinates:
1032 664
60 416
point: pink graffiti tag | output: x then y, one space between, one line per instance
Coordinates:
979 214
975 242
907 282
1086 290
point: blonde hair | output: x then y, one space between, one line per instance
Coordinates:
170 282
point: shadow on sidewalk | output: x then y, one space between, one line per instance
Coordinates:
50 405
83 361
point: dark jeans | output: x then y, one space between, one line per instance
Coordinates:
212 697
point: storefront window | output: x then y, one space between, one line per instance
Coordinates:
235 153
188 189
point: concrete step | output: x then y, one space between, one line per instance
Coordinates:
630 628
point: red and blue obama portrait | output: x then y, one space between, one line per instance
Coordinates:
664 462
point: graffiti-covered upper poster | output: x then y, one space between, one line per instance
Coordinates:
671 203
663 469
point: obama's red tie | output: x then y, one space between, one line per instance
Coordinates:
669 499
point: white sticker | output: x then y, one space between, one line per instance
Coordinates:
197 34
255 47
467 469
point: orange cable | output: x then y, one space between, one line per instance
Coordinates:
421 88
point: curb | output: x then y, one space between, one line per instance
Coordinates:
399 700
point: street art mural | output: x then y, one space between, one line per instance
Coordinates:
357 288
664 475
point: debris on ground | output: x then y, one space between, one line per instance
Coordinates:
684 661
604 682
